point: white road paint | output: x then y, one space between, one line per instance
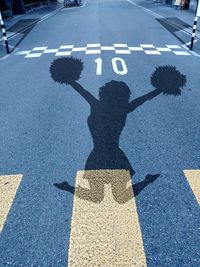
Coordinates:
123 68
194 54
49 51
93 45
105 227
174 46
187 47
193 178
147 46
122 52
96 49
181 53
99 66
9 185
93 52
39 48
151 52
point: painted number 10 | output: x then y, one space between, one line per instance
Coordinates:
118 64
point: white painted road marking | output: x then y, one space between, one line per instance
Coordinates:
8 187
49 51
106 232
152 52
39 48
181 53
94 49
193 178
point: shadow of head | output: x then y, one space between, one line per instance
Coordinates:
114 92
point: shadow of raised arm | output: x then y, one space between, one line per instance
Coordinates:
84 93
142 99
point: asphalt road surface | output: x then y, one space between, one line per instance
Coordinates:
69 154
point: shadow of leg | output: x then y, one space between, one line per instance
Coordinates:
65 187
138 187
121 194
94 194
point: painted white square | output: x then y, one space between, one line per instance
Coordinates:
64 53
121 45
33 55
174 46
136 48
93 45
124 52
25 52
66 46
152 52
93 52
181 53
147 45
49 51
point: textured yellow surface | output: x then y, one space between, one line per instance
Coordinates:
8 188
105 229
193 177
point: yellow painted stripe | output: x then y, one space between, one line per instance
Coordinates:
105 229
8 188
193 177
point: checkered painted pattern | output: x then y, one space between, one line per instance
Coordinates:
95 49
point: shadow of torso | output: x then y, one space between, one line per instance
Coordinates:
106 122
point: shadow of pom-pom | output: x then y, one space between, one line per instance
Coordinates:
66 70
168 80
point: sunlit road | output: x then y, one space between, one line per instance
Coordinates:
69 154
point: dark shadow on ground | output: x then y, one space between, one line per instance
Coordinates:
137 188
24 27
173 25
106 122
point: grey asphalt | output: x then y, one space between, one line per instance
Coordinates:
44 135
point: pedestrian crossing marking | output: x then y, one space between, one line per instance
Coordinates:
105 232
193 178
94 49
8 188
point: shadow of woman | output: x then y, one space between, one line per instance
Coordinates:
106 122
